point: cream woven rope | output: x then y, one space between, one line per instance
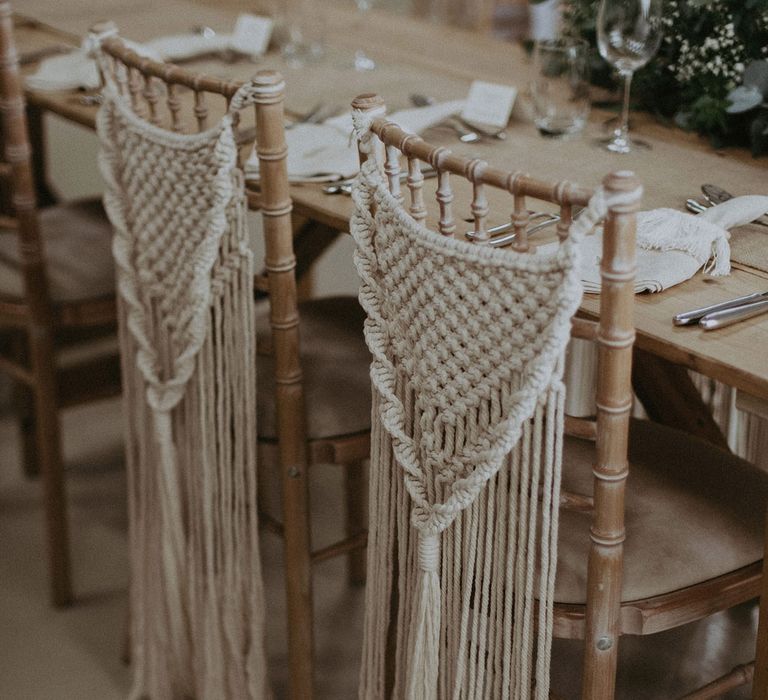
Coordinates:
184 272
467 344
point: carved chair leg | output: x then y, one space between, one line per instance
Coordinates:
24 405
670 397
54 497
356 521
127 651
298 581
24 408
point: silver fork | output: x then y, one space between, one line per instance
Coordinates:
500 240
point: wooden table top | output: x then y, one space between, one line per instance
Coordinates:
427 58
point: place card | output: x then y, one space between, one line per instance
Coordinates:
251 35
489 103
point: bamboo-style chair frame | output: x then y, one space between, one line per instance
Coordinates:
145 82
604 618
37 327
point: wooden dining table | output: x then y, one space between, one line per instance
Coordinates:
419 57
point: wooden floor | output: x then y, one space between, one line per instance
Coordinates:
75 654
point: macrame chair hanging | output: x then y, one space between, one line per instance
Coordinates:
185 280
468 345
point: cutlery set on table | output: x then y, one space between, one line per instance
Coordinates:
724 313
715 195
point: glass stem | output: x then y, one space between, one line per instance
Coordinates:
623 131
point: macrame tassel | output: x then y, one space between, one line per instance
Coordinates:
423 671
172 533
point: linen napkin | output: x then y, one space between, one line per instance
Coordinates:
672 245
75 70
180 47
325 152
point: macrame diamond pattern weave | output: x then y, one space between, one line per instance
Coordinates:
467 344
185 283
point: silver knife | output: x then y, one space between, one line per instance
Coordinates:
719 319
694 316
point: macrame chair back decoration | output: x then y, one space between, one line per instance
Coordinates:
468 344
185 282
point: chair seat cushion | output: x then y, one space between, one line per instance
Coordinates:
77 242
693 512
335 363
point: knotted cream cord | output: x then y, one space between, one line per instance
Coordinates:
467 344
184 278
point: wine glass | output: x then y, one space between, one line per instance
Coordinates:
363 62
628 35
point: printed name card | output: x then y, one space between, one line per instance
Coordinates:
489 103
251 35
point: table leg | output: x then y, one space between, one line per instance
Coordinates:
670 397
760 682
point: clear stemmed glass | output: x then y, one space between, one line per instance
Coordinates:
628 35
363 62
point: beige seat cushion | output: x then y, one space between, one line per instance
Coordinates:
335 363
693 513
77 240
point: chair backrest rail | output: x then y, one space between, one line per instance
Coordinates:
564 193
169 73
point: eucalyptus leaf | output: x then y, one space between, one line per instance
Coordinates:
756 75
743 98
683 120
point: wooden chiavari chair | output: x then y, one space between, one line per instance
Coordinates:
313 384
56 292
657 528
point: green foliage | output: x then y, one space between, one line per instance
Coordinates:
706 48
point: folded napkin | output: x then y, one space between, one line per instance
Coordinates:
180 47
325 152
75 70
672 245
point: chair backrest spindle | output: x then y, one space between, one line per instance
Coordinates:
392 170
444 193
151 97
480 209
174 108
201 110
416 186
